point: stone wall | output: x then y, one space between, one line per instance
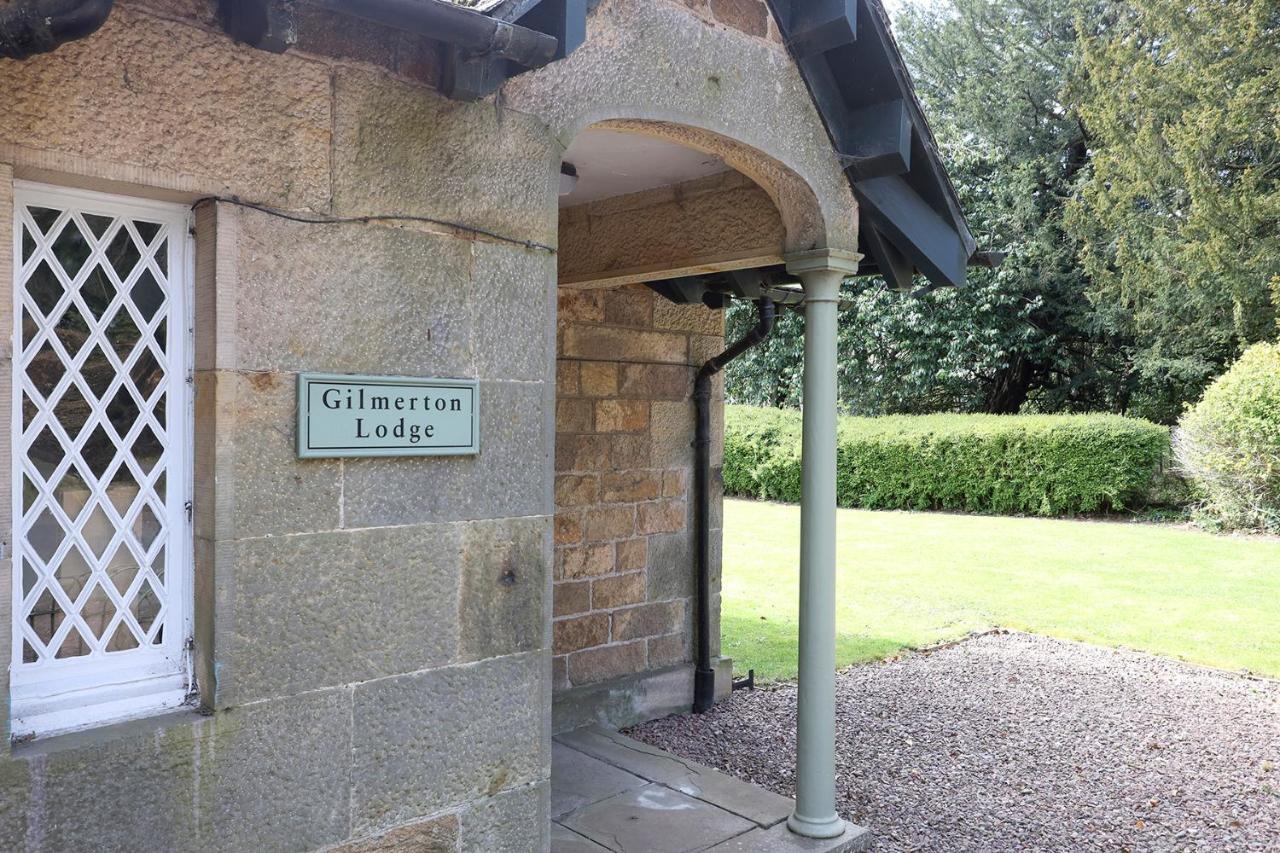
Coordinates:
746 16
372 635
624 564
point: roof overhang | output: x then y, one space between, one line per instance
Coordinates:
910 218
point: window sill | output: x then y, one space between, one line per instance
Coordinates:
185 716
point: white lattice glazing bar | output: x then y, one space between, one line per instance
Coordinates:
101 423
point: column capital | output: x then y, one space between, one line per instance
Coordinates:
820 260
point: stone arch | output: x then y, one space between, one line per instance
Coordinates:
643 69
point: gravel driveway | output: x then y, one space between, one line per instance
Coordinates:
1016 742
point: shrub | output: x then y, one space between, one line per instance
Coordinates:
1011 464
1229 442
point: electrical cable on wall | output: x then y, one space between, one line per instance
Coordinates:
365 220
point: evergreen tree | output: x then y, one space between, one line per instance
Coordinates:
1179 220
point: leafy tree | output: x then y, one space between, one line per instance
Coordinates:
1179 220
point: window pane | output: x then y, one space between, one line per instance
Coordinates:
94 542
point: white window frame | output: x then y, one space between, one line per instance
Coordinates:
55 696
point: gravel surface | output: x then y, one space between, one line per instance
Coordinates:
1016 742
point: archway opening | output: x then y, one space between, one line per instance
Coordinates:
641 208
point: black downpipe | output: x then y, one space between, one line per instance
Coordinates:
28 27
704 679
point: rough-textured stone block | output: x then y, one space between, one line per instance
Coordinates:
586 561
629 451
573 416
302 801
629 306
505 564
163 95
434 835
259 486
583 306
433 739
617 591
648 620
748 16
15 791
404 149
665 516
671 569
513 289
610 522
698 319
567 378
506 479
568 528
582 452
601 343
606 662
332 608
703 348
515 821
572 597
359 299
671 431
668 650
113 790
657 381
619 486
577 489
674 483
622 416
599 378
581 632
632 554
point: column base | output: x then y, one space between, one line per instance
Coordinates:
829 828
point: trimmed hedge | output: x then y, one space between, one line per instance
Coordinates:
1005 464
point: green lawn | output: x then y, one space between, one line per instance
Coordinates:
912 579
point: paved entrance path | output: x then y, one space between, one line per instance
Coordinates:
611 793
1015 742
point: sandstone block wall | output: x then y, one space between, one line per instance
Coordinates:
372 635
624 564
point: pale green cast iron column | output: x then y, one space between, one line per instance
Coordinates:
815 816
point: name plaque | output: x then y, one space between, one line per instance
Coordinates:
343 416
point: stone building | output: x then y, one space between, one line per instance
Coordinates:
229 635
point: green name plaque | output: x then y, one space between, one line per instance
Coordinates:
386 416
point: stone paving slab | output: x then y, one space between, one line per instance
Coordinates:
761 807
655 819
581 780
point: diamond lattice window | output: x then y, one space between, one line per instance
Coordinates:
101 604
